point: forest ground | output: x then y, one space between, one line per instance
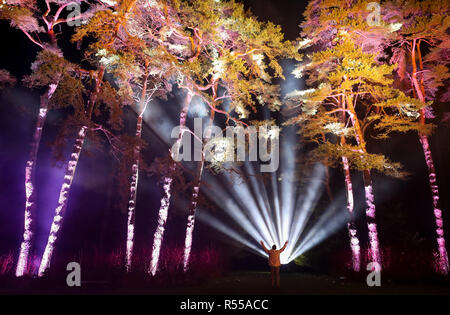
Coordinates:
258 283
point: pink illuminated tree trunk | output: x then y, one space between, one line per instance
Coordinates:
30 191
135 175
167 187
443 256
352 232
60 210
351 226
443 263
374 246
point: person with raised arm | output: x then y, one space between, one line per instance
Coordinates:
274 261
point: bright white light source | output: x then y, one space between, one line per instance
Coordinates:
272 211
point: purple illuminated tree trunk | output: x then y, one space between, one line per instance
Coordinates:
26 245
167 187
135 175
443 262
67 184
352 232
30 191
62 202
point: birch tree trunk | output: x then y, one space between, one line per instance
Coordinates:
374 250
68 179
352 232
194 200
62 201
165 200
132 200
135 175
30 191
443 263
191 218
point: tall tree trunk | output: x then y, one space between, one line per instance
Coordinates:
68 179
191 217
132 200
30 191
62 202
443 263
351 226
165 200
193 205
135 175
374 251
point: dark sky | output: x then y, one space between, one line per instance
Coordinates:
90 199
286 13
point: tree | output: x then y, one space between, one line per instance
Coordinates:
215 46
98 91
423 41
6 79
350 95
141 70
251 48
39 27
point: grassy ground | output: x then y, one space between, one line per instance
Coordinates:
258 283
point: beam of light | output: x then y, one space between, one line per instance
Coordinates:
286 179
232 209
334 217
249 217
220 226
305 205
272 211
262 199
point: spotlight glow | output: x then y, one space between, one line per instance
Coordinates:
275 211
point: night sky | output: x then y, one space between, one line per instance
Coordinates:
404 206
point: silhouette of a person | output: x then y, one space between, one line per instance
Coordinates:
274 262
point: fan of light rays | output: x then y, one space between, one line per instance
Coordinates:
272 210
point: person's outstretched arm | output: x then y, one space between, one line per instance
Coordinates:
264 247
284 247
